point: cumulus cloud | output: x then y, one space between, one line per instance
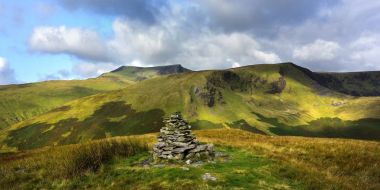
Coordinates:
223 51
156 45
148 44
6 73
82 43
322 35
319 50
365 51
137 43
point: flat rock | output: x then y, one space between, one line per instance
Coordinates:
208 177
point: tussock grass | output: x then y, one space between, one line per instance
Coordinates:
66 161
321 163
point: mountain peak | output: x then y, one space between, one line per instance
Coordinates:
134 73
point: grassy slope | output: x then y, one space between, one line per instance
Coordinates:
139 108
20 102
256 162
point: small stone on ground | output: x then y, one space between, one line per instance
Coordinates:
208 177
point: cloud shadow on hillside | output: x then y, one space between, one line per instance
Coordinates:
111 119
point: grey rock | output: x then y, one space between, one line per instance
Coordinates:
166 152
208 177
180 144
179 150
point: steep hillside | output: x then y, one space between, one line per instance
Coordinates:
20 102
352 83
272 99
23 101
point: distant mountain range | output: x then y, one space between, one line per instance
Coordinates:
274 99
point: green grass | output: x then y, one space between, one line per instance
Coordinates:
243 169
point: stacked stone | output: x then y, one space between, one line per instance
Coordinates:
176 142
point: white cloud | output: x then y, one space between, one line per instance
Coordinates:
319 50
365 50
136 41
169 44
85 70
214 50
82 43
6 73
234 64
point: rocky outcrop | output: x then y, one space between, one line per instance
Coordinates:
277 86
230 80
176 142
211 95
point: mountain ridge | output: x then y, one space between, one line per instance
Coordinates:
22 101
275 99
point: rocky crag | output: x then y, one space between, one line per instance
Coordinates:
176 142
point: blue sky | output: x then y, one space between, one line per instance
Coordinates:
69 39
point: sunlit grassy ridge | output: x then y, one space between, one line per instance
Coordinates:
255 162
235 98
20 102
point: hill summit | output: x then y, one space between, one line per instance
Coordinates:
141 73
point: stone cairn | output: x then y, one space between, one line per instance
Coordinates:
176 142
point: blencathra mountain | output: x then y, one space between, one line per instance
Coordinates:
273 99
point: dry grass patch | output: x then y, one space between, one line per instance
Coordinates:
321 162
66 161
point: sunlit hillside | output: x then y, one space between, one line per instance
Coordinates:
23 101
277 99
